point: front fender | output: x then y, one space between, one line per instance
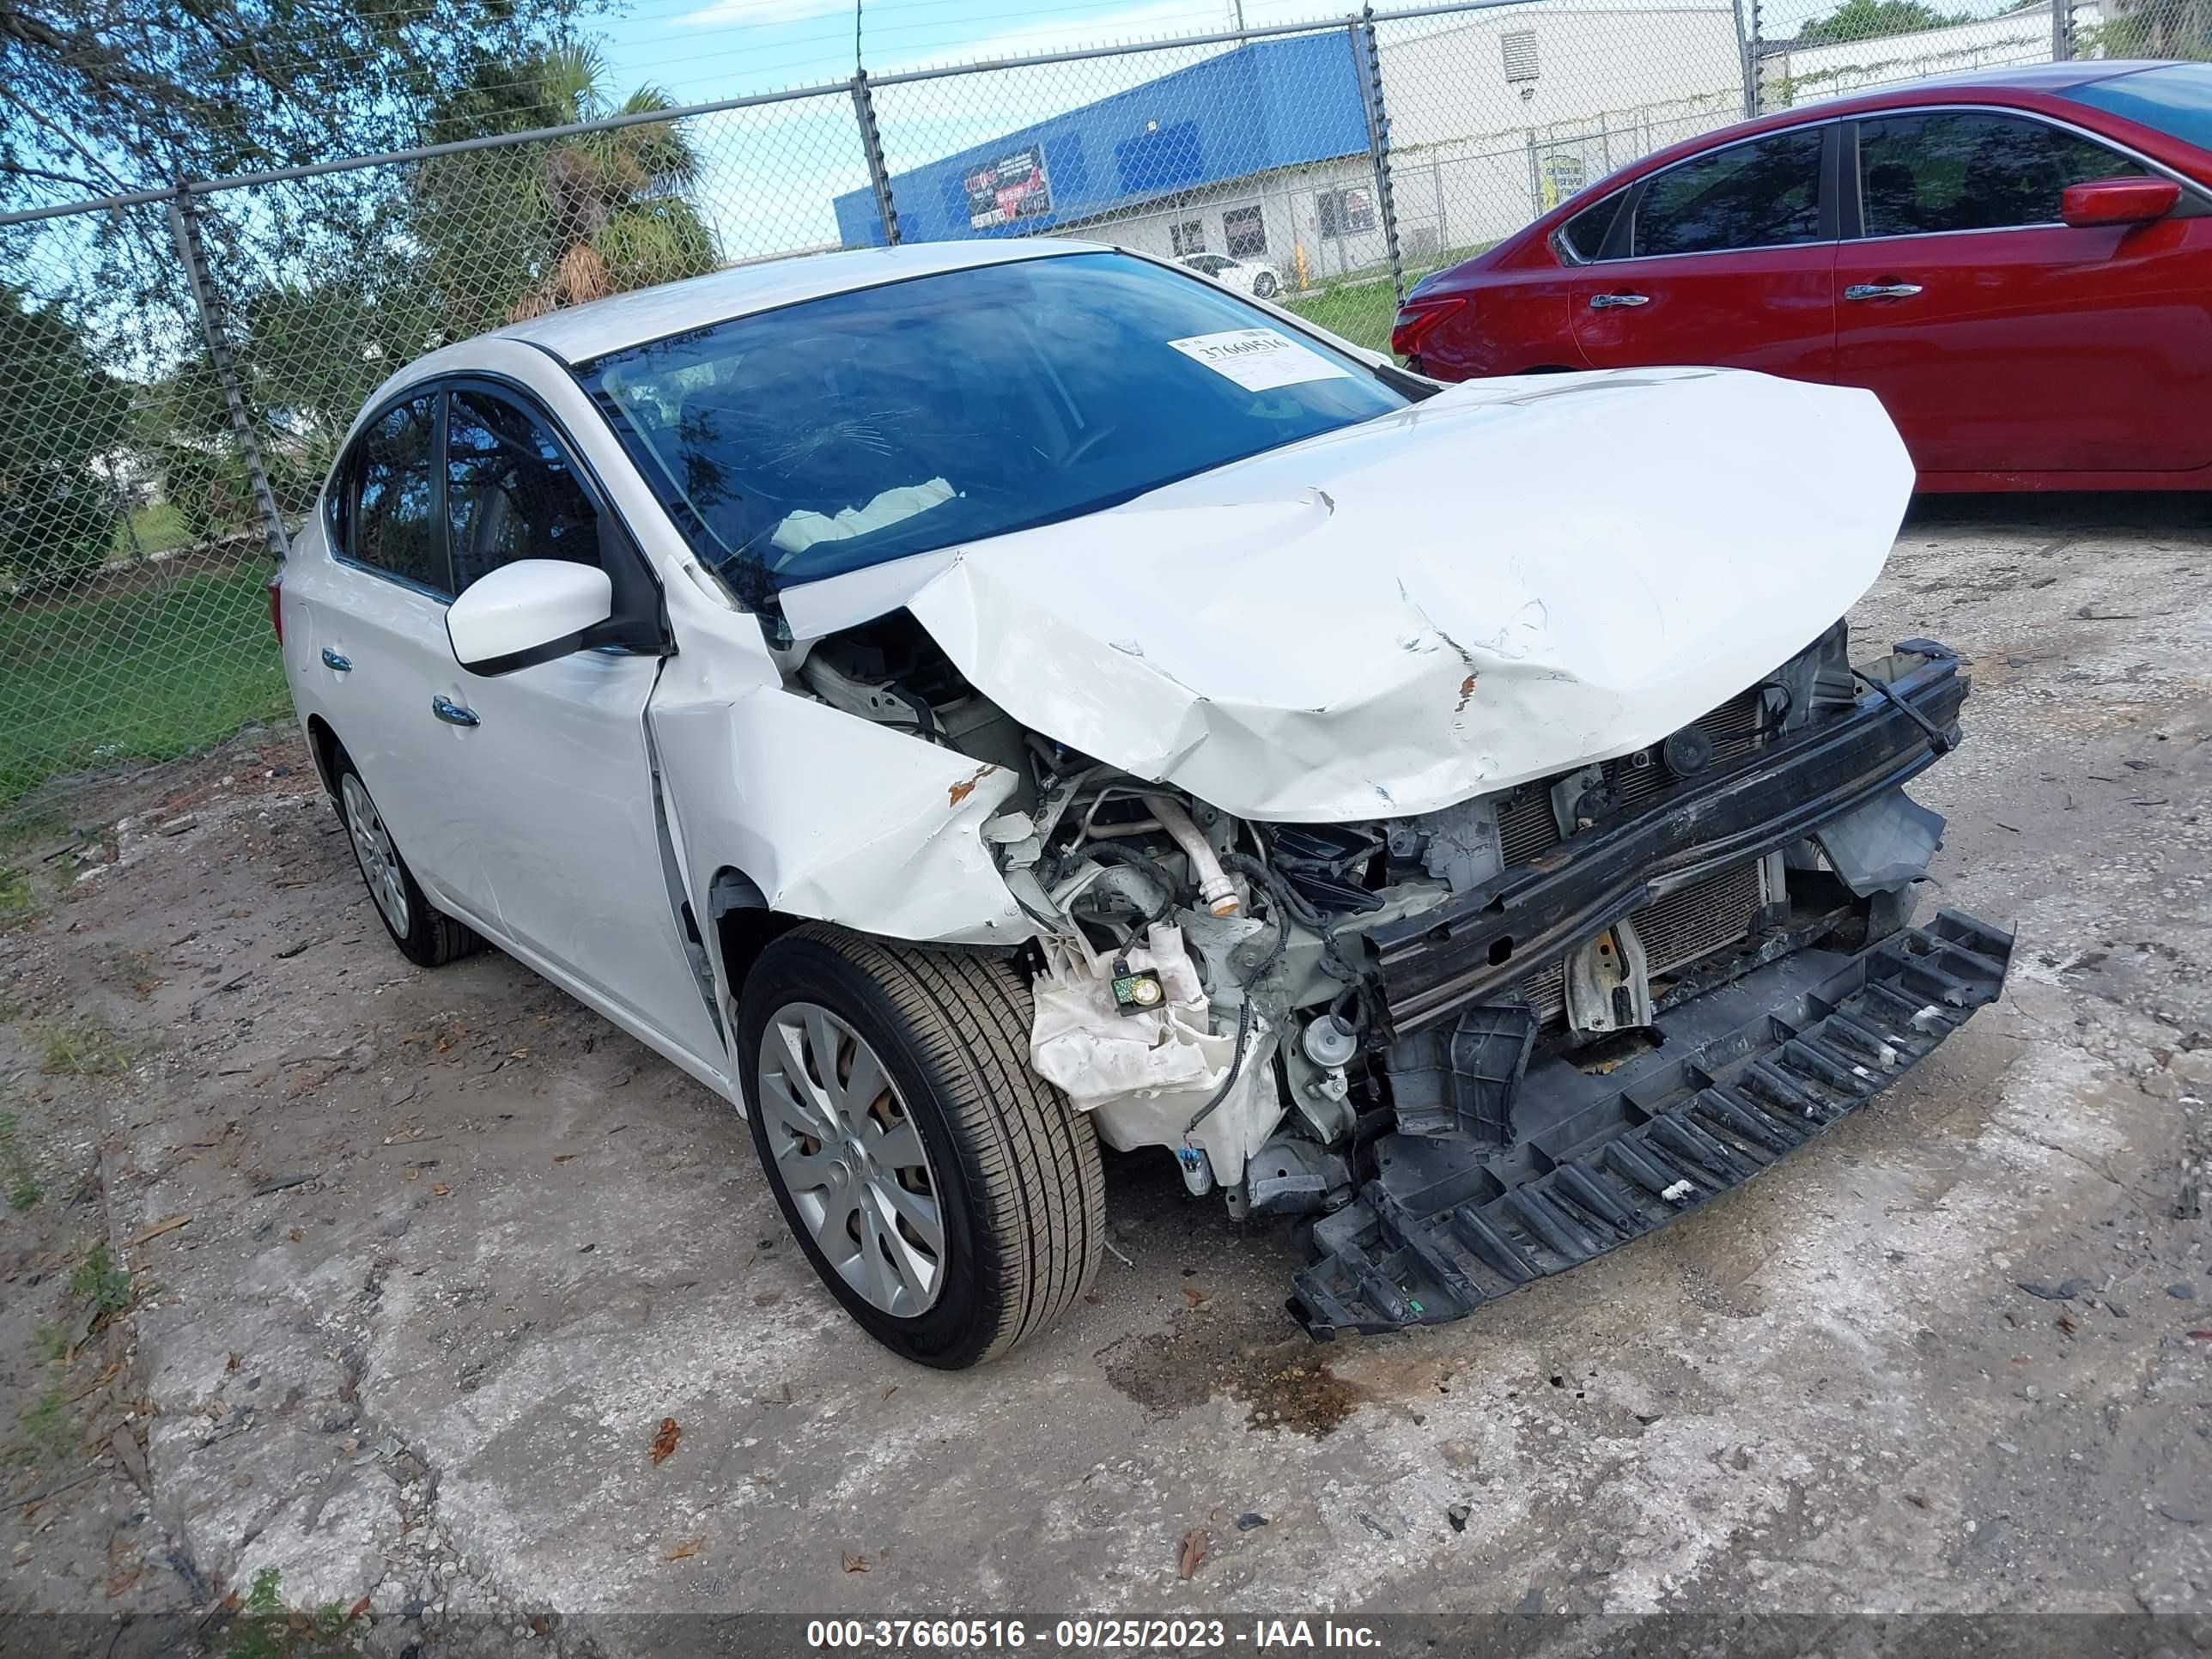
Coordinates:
835 818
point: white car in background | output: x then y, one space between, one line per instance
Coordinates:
964 701
1245 276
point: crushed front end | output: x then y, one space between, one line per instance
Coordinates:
1473 1046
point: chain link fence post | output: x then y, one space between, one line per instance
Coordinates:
871 143
2062 30
1369 57
1746 35
184 228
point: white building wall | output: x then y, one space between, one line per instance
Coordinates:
1291 218
1794 74
1495 120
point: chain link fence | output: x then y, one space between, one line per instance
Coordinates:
177 368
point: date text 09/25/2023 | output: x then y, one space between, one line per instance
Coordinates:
1087 1635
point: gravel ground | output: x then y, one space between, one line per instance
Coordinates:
420 1262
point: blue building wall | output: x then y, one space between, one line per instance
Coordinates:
1270 104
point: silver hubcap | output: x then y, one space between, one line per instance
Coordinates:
379 858
851 1159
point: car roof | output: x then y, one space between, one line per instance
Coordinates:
1977 86
585 331
1985 84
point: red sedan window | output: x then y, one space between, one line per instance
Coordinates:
1765 193
1943 170
1584 235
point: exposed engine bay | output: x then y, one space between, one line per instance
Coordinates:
1289 1008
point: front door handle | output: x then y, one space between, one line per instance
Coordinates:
333 661
1881 290
451 713
1607 302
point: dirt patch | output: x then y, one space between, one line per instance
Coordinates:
1284 1383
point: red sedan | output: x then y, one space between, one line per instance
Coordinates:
2018 264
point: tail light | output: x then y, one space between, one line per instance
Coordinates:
277 606
1418 320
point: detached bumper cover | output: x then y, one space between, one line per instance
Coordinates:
1749 1072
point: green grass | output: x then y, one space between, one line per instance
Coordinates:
1361 311
50 1436
264 1628
1362 306
159 528
17 1168
103 1281
147 673
86 1046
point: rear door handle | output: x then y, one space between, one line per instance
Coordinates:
1607 302
451 713
1881 290
338 664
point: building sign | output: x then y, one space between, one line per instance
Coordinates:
1562 175
1012 187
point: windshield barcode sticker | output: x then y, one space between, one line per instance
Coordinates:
1260 359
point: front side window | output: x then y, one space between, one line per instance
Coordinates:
1764 193
863 427
393 525
1945 170
510 491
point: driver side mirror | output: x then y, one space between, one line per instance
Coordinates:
530 611
2117 202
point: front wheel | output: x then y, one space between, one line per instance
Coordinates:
1263 285
949 1197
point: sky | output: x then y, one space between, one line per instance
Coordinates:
700 49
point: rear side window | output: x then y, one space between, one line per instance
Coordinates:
511 490
1584 235
1765 194
393 525
1949 170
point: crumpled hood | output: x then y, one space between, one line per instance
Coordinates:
1513 578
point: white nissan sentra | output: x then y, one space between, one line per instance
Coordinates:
966 703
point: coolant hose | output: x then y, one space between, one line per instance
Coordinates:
1215 890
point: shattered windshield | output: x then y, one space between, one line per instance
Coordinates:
847 431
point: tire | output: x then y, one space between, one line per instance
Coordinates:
952 1261
425 935
1263 286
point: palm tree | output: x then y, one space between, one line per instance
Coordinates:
523 229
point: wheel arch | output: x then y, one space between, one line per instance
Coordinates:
323 743
744 924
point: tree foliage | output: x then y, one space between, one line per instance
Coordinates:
101 95
1869 20
2151 28
517 231
65 419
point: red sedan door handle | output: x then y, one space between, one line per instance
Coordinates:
1607 302
1881 290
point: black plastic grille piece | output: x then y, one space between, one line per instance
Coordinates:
1422 1251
